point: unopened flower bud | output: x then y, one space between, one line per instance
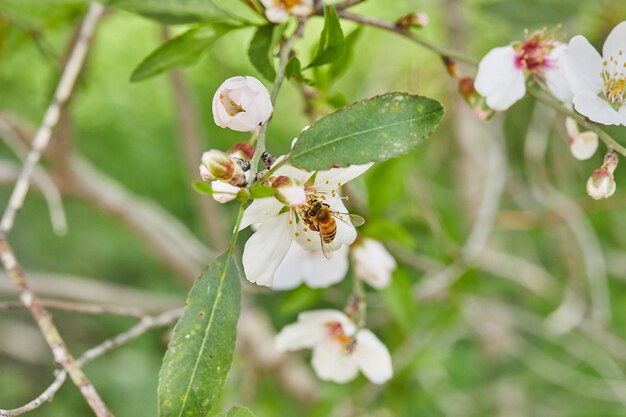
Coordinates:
242 104
222 167
289 191
205 174
601 184
243 150
224 192
583 145
416 20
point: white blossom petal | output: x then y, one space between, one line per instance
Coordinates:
276 14
266 248
555 75
499 79
615 42
373 264
372 357
346 233
300 335
333 177
310 267
223 192
582 65
595 108
260 210
584 145
332 363
302 10
327 316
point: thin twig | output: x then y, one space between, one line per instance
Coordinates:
51 118
80 307
147 323
50 333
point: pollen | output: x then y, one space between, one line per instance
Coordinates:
308 239
296 234
605 63
290 221
338 183
326 181
304 229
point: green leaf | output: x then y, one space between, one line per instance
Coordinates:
341 64
293 70
370 130
201 351
237 411
173 11
331 44
260 191
260 50
202 187
183 50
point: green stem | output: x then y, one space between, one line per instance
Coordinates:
233 239
284 53
358 297
550 101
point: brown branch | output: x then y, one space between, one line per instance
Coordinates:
50 333
191 145
146 324
79 307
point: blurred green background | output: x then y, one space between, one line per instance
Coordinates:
533 324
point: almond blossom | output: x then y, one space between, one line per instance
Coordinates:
242 104
278 224
599 82
340 349
278 11
372 263
502 73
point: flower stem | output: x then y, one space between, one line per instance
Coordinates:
285 51
233 239
357 306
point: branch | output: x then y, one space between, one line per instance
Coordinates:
79 307
50 333
146 324
51 118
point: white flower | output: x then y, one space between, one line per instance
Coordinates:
599 82
278 11
242 104
501 76
279 225
583 145
339 349
289 191
311 268
372 263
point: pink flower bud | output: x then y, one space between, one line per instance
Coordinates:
583 145
243 150
220 166
601 184
205 174
289 191
242 104
224 192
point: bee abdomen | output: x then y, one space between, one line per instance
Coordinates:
328 231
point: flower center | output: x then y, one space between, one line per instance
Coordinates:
532 54
336 333
286 4
230 106
614 78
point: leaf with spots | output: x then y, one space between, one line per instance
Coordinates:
370 130
201 351
237 411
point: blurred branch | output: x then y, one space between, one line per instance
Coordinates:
61 95
192 151
147 323
79 307
50 333
573 217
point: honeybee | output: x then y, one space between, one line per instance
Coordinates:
320 218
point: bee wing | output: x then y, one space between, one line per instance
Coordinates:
349 219
327 248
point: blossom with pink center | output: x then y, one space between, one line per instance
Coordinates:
599 82
242 104
340 349
502 73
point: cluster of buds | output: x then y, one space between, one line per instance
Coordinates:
227 171
601 184
413 20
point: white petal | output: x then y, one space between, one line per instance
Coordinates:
571 127
301 10
243 122
499 79
582 65
584 145
327 316
311 267
293 195
267 3
372 357
332 363
615 42
224 192
265 250
292 172
300 335
260 210
332 178
373 263
276 14
346 233
555 75
595 108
